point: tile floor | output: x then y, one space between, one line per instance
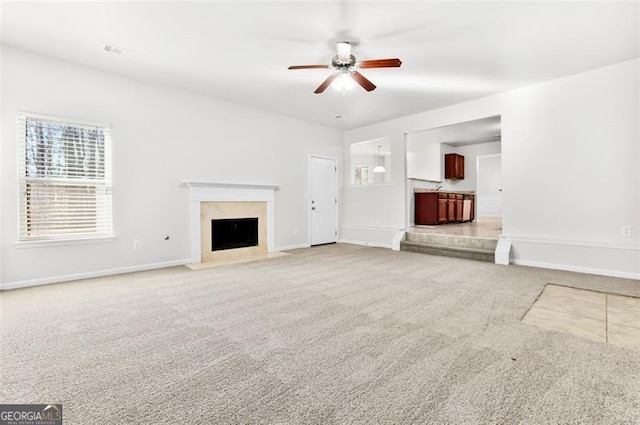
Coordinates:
483 227
608 318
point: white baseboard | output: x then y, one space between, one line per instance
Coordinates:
89 275
612 259
587 270
365 243
290 247
629 246
378 236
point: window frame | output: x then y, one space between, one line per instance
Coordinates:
359 168
103 213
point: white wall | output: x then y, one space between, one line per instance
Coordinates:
161 137
570 170
369 213
423 159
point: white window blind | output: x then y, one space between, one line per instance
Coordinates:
64 179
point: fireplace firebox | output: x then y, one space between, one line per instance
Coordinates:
234 233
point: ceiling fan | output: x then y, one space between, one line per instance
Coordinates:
345 66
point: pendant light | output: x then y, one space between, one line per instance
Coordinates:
379 168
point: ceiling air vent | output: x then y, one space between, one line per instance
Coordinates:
117 50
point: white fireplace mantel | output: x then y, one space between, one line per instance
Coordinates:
193 184
227 192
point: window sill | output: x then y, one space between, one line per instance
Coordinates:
351 186
63 242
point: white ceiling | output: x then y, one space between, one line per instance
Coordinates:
239 51
485 130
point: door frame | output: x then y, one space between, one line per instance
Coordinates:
308 197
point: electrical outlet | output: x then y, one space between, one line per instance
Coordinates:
136 244
625 231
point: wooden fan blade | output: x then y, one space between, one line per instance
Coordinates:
381 63
360 79
308 67
322 87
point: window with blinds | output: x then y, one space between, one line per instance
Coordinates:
64 179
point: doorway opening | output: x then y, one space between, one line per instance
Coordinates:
477 148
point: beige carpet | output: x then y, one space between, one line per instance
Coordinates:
329 335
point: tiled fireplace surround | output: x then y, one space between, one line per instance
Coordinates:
209 200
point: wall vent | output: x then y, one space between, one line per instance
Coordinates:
111 48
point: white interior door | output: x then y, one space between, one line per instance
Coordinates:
323 200
489 194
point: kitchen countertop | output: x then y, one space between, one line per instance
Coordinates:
460 192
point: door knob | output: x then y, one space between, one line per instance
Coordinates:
313 208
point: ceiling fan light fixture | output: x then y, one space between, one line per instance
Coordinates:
344 51
343 82
345 66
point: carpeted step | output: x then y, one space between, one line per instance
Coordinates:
478 254
453 240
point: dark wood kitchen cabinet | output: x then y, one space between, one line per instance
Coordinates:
453 166
451 211
442 208
459 207
428 208
432 207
